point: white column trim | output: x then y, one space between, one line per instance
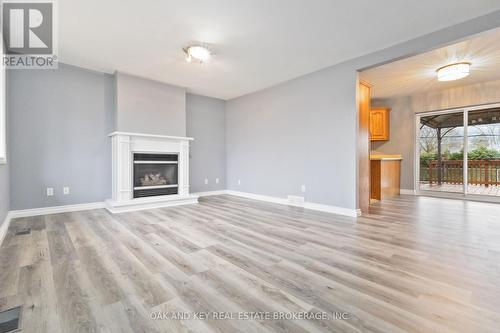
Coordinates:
5 227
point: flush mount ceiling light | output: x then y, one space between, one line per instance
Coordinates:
198 53
453 72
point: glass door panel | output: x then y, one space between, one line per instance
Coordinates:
483 158
441 147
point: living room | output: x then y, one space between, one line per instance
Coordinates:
202 167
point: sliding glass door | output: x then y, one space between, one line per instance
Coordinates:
457 145
483 158
441 145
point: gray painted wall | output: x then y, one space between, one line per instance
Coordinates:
4 173
298 133
4 168
4 191
146 106
402 137
206 124
59 124
59 121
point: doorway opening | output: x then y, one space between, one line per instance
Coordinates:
438 113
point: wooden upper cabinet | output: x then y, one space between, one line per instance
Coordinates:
380 123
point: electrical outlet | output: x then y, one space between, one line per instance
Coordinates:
66 190
50 191
303 188
206 181
216 180
239 181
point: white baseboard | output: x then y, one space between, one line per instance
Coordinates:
88 206
55 209
407 191
333 209
4 227
209 193
308 205
140 204
259 197
192 199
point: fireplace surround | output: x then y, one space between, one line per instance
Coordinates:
149 171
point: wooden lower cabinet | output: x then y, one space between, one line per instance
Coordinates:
385 178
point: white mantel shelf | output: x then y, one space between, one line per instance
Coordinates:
167 137
124 145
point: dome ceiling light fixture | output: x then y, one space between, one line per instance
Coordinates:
453 72
197 53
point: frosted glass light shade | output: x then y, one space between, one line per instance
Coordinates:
453 72
200 53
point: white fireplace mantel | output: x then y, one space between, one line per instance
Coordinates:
124 145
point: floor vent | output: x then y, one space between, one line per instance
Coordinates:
10 320
22 232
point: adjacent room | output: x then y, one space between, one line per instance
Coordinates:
250 166
436 117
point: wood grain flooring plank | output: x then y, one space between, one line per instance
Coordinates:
36 286
411 265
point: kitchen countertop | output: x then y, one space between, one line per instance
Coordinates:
385 157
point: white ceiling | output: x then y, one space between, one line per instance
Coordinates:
257 43
417 74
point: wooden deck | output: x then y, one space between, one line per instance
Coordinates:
414 264
458 188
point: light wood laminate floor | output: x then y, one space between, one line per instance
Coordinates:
414 264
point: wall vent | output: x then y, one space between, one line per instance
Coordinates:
10 320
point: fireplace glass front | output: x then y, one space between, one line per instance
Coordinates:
155 174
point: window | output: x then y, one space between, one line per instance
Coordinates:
3 125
